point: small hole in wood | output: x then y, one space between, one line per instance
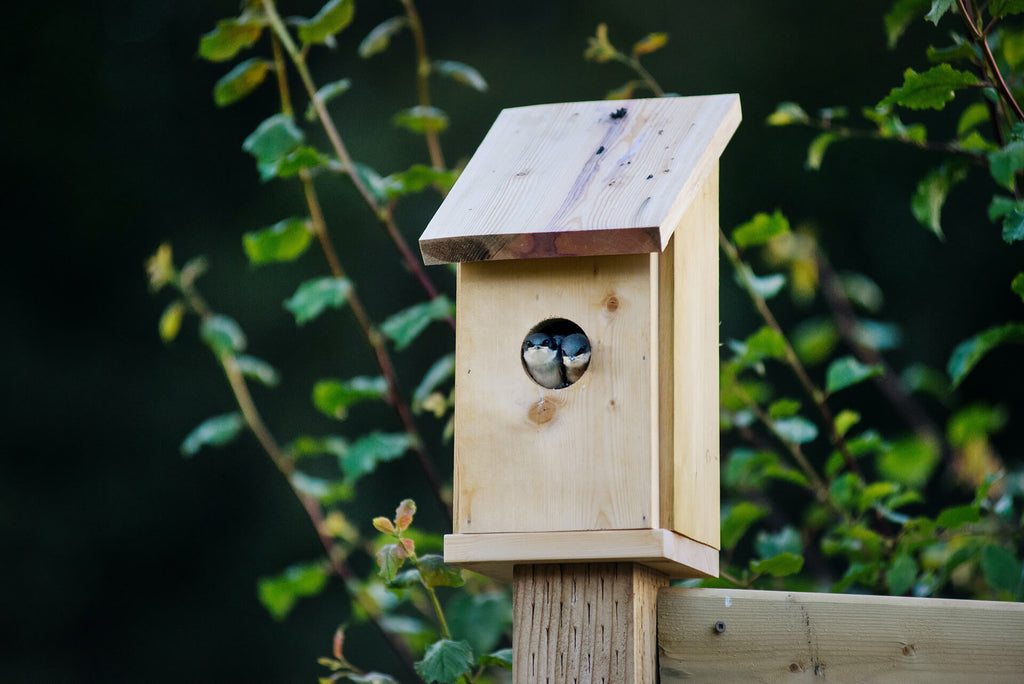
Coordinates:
555 353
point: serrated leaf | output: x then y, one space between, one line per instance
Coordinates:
1001 8
788 113
436 573
279 594
335 397
258 369
222 334
939 8
899 17
379 38
314 296
738 521
368 451
901 574
170 320
461 73
406 325
216 431
501 658
779 566
650 43
332 18
286 240
440 371
228 39
930 195
909 461
930 89
816 150
1001 568
445 661
326 94
240 81
969 352
848 371
417 178
274 139
956 516
796 429
760 229
953 53
421 119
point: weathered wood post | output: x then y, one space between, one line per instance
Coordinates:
593 224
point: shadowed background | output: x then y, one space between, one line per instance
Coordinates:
123 561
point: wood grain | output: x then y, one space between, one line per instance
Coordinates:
495 555
572 180
783 637
585 624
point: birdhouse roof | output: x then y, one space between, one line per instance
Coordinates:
581 179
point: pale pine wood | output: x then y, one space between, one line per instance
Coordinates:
530 459
572 180
495 555
585 624
783 637
694 499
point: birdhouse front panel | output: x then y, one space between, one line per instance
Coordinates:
576 457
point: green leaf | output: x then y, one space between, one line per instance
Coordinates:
421 119
406 325
228 39
461 73
216 431
956 516
738 521
1004 163
273 140
1002 570
390 558
479 619
972 117
326 94
954 53
258 369
284 241
314 296
862 291
846 420
303 157
848 371
240 81
440 371
814 340
899 17
745 468
1012 43
783 408
797 429
332 18
939 8
901 575
926 204
909 461
777 472
779 566
969 352
877 335
766 343
379 38
417 178
363 456
786 540
222 335
972 422
170 320
788 113
502 658
921 378
650 43
1018 285
767 286
334 397
325 491
436 573
1001 8
760 229
931 89
372 677
875 492
278 594
445 661
332 445
816 150
373 181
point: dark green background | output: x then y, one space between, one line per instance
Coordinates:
122 561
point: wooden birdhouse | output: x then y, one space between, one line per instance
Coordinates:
597 219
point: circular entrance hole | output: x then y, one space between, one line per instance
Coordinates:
555 353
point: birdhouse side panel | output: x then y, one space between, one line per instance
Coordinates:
533 459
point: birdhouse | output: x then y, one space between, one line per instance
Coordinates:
586 420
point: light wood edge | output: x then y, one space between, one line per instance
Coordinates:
495 554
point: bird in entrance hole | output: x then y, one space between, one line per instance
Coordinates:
542 358
575 354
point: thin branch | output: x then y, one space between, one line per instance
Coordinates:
979 39
423 80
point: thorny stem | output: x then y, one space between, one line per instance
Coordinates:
423 80
979 39
816 395
383 213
